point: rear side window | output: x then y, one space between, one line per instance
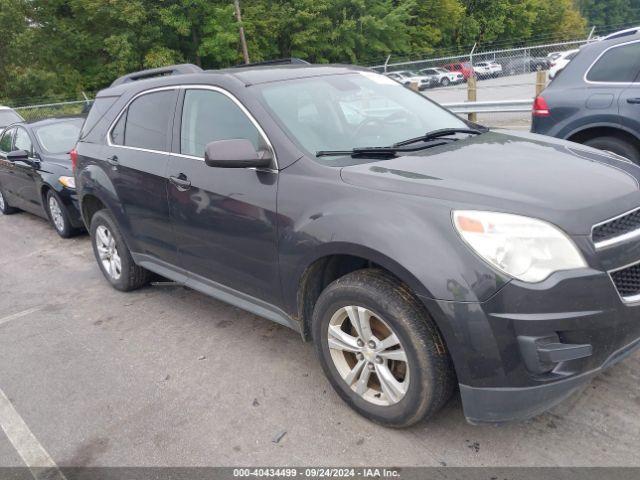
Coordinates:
618 65
99 107
148 120
208 116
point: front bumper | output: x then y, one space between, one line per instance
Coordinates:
502 378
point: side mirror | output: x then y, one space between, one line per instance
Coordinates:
18 156
235 153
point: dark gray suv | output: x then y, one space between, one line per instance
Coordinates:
416 250
595 99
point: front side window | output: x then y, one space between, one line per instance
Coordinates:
147 122
617 65
5 140
22 141
59 137
208 116
360 109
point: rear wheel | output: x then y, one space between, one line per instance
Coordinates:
616 145
380 349
113 255
5 208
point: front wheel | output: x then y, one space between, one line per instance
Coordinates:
113 255
59 216
380 349
445 82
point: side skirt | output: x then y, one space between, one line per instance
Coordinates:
216 290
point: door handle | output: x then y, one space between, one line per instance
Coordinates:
633 100
113 161
181 182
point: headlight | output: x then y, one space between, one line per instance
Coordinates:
68 182
522 247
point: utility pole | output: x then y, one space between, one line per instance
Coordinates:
243 40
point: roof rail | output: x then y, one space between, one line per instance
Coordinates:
277 61
157 72
622 33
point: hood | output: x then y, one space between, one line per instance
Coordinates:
567 184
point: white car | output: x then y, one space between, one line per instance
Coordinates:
406 77
561 61
9 116
487 69
442 76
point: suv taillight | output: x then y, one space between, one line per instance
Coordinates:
540 107
74 159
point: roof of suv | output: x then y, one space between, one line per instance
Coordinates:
249 75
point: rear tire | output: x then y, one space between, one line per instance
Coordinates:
5 208
616 145
395 382
113 256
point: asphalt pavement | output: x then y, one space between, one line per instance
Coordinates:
166 376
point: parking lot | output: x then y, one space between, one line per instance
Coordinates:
168 377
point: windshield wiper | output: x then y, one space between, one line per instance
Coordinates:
384 152
443 132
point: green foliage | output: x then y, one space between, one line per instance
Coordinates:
610 12
56 49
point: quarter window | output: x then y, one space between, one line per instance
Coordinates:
5 140
146 122
22 141
618 65
209 116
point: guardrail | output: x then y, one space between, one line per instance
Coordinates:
499 106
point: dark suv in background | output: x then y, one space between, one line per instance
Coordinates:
416 250
595 99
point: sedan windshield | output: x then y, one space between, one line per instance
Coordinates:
342 112
59 137
7 117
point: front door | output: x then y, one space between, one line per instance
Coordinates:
25 174
224 218
136 161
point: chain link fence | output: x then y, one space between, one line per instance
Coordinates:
59 109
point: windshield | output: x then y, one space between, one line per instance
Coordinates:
341 112
8 117
59 137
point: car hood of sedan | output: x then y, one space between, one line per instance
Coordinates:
565 183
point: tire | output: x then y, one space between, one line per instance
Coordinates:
444 82
5 208
616 145
112 252
59 216
424 380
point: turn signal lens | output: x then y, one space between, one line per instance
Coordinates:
68 182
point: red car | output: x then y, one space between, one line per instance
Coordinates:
464 68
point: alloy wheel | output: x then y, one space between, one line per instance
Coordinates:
368 355
108 252
56 214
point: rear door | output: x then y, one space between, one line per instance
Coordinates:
136 160
629 103
224 218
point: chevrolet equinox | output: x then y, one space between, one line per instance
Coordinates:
418 251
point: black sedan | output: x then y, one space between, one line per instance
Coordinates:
36 174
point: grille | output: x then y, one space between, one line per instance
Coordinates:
627 281
619 226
